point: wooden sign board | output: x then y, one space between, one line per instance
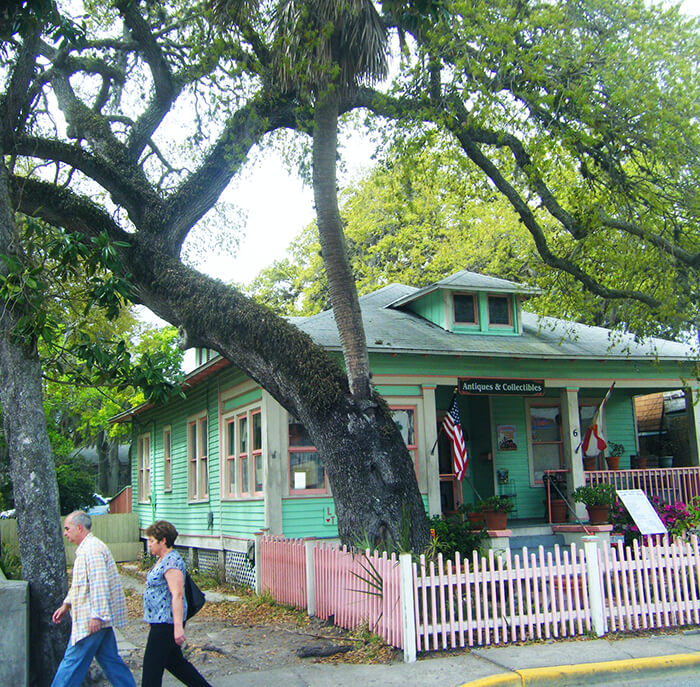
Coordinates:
641 511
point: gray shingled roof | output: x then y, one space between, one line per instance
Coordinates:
469 281
389 329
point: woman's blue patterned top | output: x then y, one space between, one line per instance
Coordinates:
157 599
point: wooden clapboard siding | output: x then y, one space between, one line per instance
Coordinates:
497 366
243 518
306 517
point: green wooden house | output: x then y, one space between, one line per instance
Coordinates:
228 460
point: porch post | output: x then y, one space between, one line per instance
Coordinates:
274 428
571 437
431 461
692 410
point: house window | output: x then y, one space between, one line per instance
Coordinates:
306 473
230 457
499 310
197 452
405 419
465 308
144 468
243 485
256 425
545 440
167 460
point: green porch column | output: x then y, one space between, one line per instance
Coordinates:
571 437
431 460
692 409
274 431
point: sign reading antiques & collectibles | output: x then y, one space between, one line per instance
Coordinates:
491 386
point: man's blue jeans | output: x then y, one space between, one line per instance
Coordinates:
101 645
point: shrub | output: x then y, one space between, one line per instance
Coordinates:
452 535
10 563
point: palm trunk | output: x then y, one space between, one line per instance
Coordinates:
341 282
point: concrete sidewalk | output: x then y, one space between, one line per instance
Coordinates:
558 663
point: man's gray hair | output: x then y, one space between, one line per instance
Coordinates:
80 517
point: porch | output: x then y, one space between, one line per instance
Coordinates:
669 485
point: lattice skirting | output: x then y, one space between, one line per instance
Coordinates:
238 569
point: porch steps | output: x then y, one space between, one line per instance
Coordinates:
534 537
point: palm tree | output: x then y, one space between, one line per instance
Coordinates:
328 48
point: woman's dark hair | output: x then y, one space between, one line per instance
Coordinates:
162 529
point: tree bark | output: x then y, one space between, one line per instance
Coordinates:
341 281
33 477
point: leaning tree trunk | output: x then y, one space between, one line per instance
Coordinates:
367 463
341 282
33 477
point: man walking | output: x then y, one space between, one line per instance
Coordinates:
96 603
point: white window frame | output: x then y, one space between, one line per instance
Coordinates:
167 459
198 457
144 467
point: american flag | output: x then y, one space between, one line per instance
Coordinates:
453 429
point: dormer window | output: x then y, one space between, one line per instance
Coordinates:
499 310
465 308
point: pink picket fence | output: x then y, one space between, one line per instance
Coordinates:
500 599
651 586
349 588
283 570
356 588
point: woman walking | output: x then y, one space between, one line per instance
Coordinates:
165 609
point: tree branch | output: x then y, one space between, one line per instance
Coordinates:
200 191
166 87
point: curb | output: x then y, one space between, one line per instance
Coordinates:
560 676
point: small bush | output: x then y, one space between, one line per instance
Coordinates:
453 535
10 563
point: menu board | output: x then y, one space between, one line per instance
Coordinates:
641 511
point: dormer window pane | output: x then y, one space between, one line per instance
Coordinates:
465 308
499 310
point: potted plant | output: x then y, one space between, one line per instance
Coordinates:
598 498
615 451
495 510
474 516
555 492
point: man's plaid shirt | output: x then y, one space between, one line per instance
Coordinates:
95 590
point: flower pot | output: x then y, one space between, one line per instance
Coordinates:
495 519
598 515
589 463
665 461
640 463
558 510
476 520
613 462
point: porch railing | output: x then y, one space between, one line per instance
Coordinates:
671 485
